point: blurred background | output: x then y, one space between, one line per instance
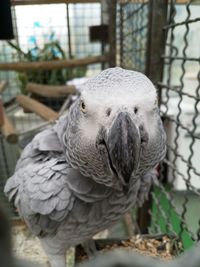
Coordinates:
58 44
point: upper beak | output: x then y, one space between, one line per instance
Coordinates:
123 144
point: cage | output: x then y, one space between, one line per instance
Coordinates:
63 33
158 38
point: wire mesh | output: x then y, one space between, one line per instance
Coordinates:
180 106
43 32
54 31
175 202
132 28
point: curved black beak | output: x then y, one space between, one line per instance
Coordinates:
123 144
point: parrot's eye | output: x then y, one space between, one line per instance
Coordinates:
83 107
108 111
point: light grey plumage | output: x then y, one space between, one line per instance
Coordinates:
84 173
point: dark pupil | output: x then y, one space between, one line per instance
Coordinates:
83 105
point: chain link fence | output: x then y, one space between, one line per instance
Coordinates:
132 29
175 70
180 91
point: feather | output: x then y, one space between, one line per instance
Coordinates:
47 141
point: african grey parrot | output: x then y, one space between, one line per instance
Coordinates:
80 176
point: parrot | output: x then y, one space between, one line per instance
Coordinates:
82 174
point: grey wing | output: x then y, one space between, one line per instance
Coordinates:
38 186
41 194
45 189
43 143
85 189
46 193
91 199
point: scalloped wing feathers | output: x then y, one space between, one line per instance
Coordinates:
45 188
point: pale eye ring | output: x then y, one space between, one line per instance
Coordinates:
83 107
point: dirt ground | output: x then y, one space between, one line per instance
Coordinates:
28 247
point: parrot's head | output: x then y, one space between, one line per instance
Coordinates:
114 130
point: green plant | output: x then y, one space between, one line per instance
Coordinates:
50 51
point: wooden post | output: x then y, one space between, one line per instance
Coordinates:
36 107
112 4
69 33
1 112
6 127
8 130
51 90
156 40
3 85
53 64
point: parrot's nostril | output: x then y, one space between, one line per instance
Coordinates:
144 139
135 110
108 112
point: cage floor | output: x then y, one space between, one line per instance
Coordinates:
26 246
